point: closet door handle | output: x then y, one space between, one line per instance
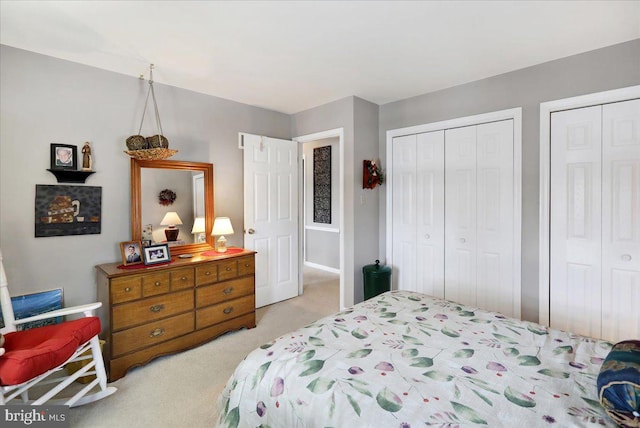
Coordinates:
427 236
251 231
626 257
463 240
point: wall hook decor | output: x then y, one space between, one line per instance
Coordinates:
372 174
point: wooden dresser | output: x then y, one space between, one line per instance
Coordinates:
153 311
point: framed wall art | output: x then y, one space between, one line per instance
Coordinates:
322 185
64 157
28 305
67 210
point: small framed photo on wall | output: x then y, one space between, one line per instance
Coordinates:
64 156
154 254
131 252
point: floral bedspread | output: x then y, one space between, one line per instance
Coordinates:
405 359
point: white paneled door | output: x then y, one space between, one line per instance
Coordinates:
418 226
453 208
495 243
621 228
576 223
595 220
479 225
460 211
271 215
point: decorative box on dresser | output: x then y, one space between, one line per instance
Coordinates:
158 310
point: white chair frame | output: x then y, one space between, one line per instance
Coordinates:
93 367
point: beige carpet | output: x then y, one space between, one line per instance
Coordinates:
182 390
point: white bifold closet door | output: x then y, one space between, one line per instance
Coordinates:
479 206
418 226
453 215
595 221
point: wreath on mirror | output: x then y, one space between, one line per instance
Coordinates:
167 197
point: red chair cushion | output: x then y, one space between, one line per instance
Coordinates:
30 353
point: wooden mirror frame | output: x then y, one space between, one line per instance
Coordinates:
136 200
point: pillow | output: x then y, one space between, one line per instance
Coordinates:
619 383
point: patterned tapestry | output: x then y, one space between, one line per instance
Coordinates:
322 185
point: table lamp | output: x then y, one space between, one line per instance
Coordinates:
222 226
198 228
171 219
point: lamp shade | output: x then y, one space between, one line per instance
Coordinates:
198 225
171 219
222 226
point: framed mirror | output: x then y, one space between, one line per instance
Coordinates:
174 195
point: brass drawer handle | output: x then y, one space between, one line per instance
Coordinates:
247 265
156 332
228 310
228 269
127 289
227 290
158 283
156 308
207 273
184 278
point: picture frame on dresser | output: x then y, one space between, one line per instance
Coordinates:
154 254
131 253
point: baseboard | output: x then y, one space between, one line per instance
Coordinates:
322 267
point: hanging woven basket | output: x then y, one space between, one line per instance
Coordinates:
151 154
155 147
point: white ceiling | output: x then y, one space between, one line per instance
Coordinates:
289 56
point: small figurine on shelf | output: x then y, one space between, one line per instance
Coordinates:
87 158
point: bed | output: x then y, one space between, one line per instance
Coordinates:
404 359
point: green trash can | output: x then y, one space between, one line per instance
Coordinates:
377 279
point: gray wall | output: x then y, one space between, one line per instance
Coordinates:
359 119
603 69
321 246
46 100
365 201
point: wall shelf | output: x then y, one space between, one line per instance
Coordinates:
70 176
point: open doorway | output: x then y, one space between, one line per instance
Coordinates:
321 241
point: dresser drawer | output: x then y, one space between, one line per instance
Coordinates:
151 333
224 311
126 289
152 308
246 266
182 278
207 273
223 291
227 270
155 283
